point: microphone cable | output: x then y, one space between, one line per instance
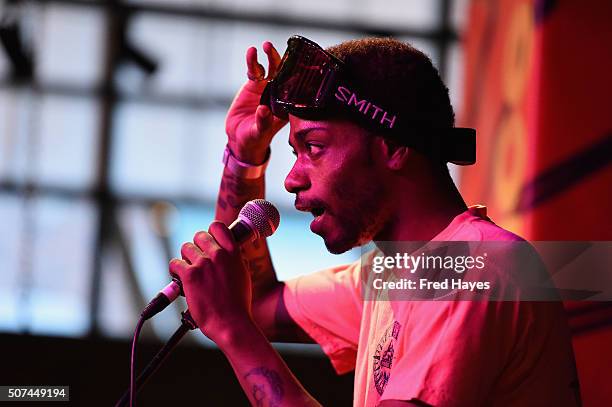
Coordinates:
139 326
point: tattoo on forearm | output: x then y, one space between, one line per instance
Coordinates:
257 244
236 192
221 202
266 387
259 265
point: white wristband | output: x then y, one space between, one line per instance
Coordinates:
242 169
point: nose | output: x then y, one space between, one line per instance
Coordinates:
297 180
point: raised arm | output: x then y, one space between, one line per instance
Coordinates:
250 129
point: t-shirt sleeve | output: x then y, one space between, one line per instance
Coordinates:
327 306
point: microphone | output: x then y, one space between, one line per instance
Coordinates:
257 218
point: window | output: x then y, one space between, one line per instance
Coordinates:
89 150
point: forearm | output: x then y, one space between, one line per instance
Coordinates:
234 192
267 292
263 375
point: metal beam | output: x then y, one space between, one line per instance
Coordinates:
278 19
174 100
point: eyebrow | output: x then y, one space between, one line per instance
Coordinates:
300 134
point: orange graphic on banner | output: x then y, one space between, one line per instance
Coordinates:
502 69
538 84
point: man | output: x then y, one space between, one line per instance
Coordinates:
372 131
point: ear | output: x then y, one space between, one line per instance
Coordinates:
396 155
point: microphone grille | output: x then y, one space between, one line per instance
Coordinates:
263 215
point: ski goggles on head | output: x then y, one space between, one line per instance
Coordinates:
312 84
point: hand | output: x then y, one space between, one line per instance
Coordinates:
215 282
249 126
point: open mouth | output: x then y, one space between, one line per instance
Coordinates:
316 207
316 212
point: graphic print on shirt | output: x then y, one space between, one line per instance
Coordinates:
383 357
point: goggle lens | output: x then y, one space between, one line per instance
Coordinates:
305 75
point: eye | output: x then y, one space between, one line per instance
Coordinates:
313 148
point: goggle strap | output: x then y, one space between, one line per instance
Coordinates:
456 145
460 146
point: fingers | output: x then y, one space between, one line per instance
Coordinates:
266 124
178 267
255 70
205 246
223 236
190 253
274 59
205 242
263 119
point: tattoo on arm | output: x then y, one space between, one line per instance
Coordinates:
236 192
266 387
259 265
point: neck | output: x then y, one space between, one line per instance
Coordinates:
423 210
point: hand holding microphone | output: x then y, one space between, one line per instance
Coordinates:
215 281
217 249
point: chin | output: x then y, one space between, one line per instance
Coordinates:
337 249
339 244
340 239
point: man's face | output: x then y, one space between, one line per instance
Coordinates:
336 178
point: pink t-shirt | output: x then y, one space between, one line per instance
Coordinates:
443 353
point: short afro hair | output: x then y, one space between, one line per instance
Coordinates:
400 78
